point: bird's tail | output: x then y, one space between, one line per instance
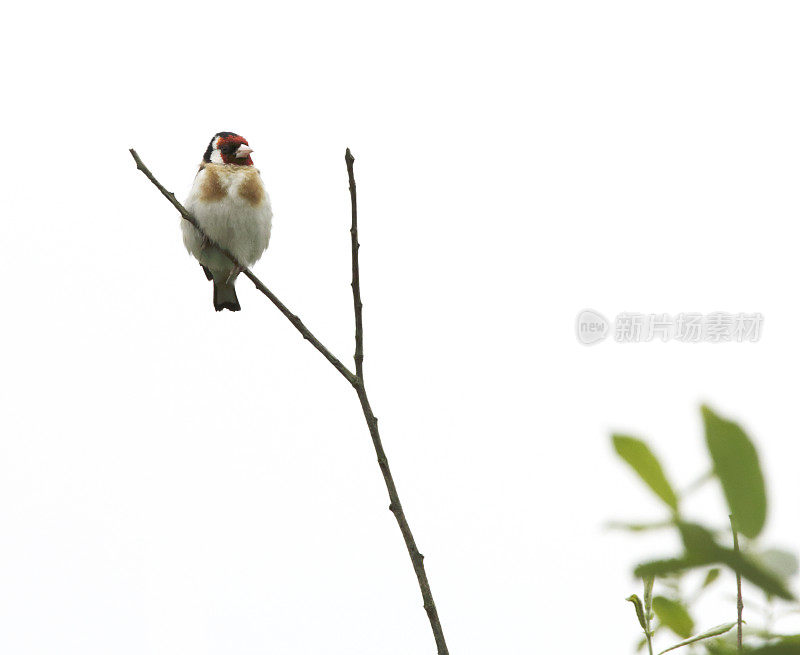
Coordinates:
225 295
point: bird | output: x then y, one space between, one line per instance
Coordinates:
231 206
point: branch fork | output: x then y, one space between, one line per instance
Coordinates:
356 379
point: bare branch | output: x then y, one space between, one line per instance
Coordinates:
372 423
293 318
357 380
356 283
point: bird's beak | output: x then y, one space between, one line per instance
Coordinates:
243 151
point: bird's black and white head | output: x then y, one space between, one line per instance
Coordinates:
228 148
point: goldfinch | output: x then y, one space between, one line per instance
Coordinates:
232 207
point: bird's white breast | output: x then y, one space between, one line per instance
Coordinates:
233 208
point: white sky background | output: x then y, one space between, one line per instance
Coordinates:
174 480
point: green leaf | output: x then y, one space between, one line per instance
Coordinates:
781 562
698 541
737 467
787 645
639 456
748 569
700 545
663 567
779 645
674 615
637 603
756 574
713 632
711 577
702 550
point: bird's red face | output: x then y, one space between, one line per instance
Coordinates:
228 148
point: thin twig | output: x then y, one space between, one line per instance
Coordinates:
372 423
356 283
739 602
356 380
